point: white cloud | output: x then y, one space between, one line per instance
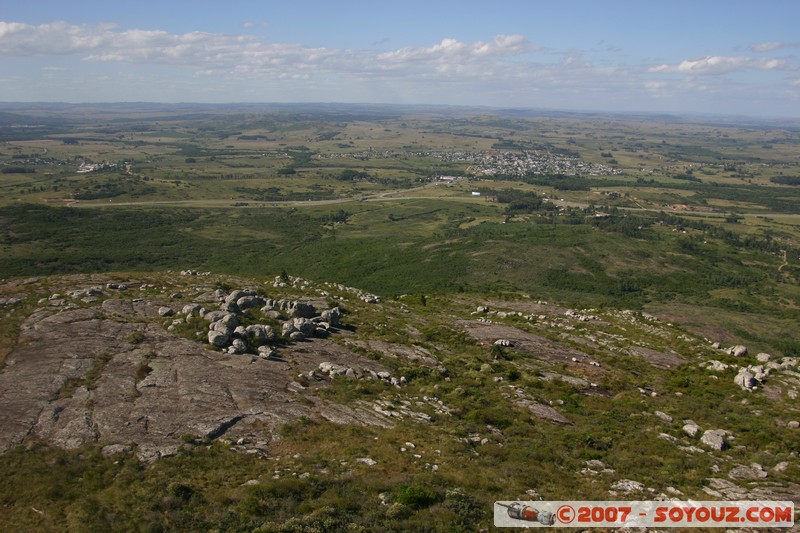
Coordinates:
250 24
713 65
57 38
772 46
453 49
766 47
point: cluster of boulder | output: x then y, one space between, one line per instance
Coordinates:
226 330
750 377
194 273
304 284
333 370
580 316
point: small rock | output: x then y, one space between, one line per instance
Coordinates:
238 346
191 309
627 485
266 352
763 357
691 428
716 366
780 467
794 424
165 311
114 449
367 461
664 416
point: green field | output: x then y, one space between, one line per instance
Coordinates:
628 212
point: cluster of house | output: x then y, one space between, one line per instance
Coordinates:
91 167
488 163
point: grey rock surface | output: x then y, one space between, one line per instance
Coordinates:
75 378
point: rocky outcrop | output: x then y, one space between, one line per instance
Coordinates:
225 332
333 370
112 373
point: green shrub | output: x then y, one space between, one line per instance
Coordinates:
416 496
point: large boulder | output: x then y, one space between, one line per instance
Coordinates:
691 428
304 325
715 439
213 316
738 350
218 338
332 316
745 379
250 302
257 333
230 320
220 327
303 310
287 328
230 304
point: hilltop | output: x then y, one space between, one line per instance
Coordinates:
428 407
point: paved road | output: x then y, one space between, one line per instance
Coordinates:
396 195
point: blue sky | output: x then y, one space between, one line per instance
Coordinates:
722 57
